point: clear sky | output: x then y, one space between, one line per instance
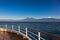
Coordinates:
20 9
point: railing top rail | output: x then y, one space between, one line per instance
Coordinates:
48 34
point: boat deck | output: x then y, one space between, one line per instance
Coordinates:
8 35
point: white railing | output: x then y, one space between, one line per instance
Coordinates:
38 35
26 31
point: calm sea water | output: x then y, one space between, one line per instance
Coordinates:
50 27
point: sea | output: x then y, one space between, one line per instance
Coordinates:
49 27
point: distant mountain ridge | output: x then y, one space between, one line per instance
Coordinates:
34 20
42 20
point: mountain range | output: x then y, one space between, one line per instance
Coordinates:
41 20
33 20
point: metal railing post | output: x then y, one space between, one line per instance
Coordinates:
26 31
38 35
19 28
6 26
12 27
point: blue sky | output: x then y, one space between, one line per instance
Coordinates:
19 9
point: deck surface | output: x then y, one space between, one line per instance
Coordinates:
7 35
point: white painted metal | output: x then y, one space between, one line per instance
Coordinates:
26 31
38 35
12 27
6 26
42 38
23 31
33 33
32 37
19 28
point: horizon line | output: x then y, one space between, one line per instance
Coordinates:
29 17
